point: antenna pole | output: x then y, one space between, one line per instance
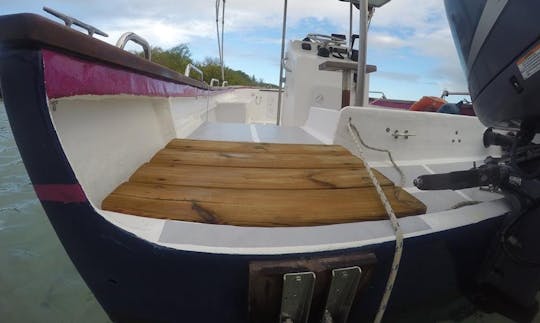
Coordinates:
350 24
223 43
278 121
362 44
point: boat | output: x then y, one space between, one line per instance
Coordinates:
180 201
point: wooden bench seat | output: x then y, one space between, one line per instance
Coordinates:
254 184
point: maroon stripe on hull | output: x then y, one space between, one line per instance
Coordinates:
69 76
466 109
64 193
404 105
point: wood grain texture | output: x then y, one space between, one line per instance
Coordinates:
259 208
253 178
238 184
256 147
255 160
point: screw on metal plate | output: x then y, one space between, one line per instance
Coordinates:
341 294
296 297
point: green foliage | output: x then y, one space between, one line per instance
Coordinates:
178 57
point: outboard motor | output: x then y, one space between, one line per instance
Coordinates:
499 47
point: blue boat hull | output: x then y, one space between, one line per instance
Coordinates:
138 281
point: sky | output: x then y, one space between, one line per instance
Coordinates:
409 40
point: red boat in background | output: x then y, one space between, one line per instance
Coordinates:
426 103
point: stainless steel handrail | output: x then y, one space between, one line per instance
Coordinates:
212 81
446 93
383 96
329 39
73 21
190 67
121 43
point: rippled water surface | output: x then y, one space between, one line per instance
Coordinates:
38 282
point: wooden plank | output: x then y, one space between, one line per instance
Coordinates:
290 198
254 147
253 178
251 184
363 205
266 160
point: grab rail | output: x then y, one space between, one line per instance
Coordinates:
73 21
446 93
190 67
121 43
212 81
383 96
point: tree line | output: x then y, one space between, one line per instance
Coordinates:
178 57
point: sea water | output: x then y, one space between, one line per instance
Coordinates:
38 282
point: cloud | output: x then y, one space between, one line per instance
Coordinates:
160 32
412 14
420 27
416 27
384 40
397 76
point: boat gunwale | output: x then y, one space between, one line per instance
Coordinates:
27 30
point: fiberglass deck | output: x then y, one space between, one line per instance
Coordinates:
256 184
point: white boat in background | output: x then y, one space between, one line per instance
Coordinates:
180 201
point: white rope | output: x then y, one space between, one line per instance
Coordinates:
393 220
